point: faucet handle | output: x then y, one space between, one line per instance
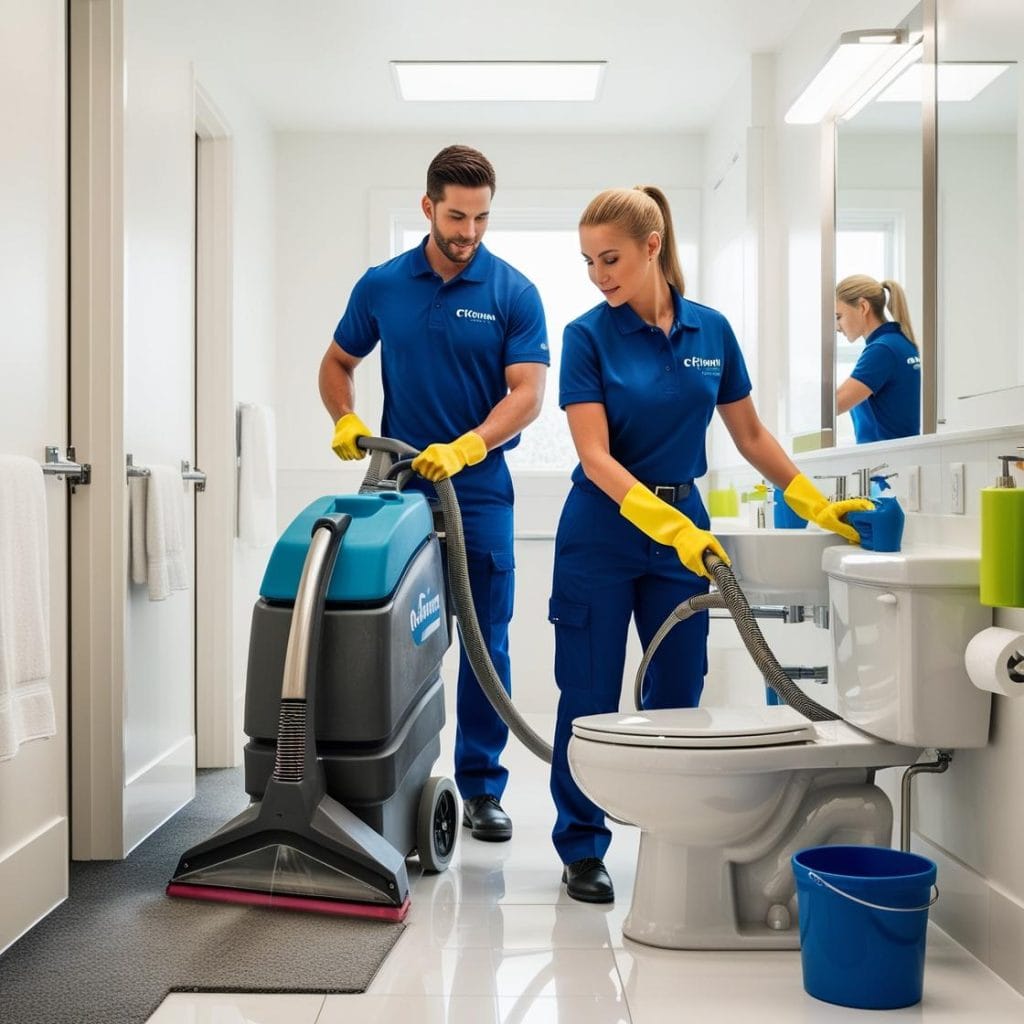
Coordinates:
840 479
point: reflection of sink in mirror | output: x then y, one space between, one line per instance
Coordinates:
777 567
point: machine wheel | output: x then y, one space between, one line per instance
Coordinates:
437 824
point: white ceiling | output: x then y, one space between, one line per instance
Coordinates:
322 65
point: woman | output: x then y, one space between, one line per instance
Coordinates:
883 393
641 375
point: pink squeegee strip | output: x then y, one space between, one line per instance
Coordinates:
216 894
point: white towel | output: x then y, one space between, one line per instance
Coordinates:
137 490
257 476
26 701
165 532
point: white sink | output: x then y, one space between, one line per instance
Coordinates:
780 567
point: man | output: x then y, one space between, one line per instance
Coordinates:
463 355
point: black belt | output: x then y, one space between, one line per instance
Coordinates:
671 492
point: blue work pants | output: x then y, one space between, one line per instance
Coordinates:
606 571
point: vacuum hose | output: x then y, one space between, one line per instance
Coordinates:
729 596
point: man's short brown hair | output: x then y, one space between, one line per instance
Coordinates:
458 165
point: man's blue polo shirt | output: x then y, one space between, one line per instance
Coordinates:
659 392
444 345
890 366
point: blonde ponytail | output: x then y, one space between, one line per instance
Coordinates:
859 286
637 212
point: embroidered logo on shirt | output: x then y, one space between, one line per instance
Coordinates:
914 361
472 314
708 367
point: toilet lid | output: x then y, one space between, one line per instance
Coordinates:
698 727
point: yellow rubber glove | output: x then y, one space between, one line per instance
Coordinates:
440 461
806 500
347 432
668 526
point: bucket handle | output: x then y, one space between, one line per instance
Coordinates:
873 906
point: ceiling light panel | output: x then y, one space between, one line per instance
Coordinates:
498 81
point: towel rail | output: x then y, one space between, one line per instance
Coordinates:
131 469
188 474
54 465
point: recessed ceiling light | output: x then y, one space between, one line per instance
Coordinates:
956 83
498 81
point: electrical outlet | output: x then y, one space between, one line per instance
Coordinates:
913 488
956 485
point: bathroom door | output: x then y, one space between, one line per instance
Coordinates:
33 414
159 415
132 392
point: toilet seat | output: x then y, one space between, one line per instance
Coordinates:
690 728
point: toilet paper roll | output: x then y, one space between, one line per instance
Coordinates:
995 661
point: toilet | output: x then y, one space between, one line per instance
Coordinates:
724 796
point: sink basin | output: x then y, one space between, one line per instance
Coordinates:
774 566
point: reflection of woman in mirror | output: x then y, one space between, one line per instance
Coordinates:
641 376
883 393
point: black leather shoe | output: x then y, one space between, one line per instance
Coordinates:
483 814
588 881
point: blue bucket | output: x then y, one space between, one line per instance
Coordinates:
863 924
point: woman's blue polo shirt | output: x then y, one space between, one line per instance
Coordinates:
659 392
890 366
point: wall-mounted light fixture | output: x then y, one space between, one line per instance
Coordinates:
858 61
498 80
956 83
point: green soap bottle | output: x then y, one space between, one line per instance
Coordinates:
1002 540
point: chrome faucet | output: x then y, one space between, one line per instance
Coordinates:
864 478
840 479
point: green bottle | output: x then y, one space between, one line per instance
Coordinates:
1002 540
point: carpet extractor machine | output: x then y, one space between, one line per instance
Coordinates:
344 702
344 707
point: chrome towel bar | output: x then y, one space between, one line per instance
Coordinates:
188 474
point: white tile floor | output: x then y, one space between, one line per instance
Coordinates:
494 939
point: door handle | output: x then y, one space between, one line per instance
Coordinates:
196 475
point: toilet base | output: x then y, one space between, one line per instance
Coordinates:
752 937
708 897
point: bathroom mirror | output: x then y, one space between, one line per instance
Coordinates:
980 270
971 291
878 228
879 202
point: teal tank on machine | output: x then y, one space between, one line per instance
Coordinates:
387 529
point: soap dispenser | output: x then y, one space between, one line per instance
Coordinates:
1002 540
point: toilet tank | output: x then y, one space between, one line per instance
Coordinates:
900 623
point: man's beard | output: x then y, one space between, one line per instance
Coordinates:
448 246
